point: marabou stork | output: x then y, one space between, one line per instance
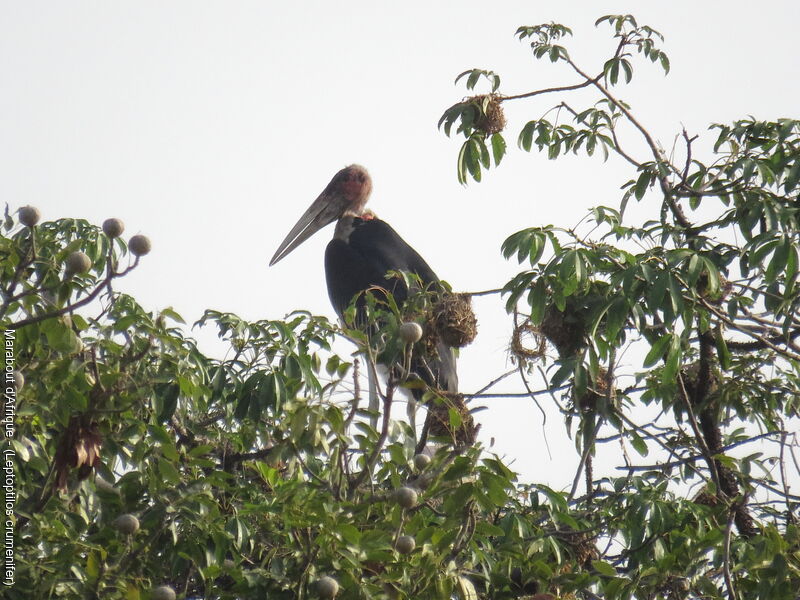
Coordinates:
363 250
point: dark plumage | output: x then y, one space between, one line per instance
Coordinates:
364 249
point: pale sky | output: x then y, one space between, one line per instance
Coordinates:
211 126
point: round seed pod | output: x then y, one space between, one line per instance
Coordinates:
127 524
139 245
29 215
163 592
406 497
405 544
76 263
113 227
410 332
421 461
327 587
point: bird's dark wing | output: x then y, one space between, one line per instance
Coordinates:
348 272
363 260
386 250
372 250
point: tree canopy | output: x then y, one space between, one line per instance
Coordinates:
144 468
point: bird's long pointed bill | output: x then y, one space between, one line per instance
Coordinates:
324 211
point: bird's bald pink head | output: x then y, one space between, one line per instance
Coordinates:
354 184
346 194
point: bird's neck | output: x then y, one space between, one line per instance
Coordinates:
344 227
346 224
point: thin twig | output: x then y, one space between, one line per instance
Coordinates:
563 88
484 292
726 563
70 307
387 409
492 383
356 394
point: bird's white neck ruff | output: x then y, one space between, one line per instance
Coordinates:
344 227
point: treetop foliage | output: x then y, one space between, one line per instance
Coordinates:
145 467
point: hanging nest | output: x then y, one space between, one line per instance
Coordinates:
439 422
596 393
453 320
564 329
491 117
78 448
582 546
519 350
706 498
567 329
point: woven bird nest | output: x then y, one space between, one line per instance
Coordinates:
454 321
492 119
522 332
582 545
597 392
565 330
440 424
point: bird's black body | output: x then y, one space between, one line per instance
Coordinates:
363 250
361 261
372 249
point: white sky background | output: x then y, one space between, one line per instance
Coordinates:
211 126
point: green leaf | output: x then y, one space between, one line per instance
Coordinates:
525 140
159 434
664 62
658 350
694 269
200 450
537 297
167 401
565 369
616 317
642 183
92 566
349 533
723 352
604 568
60 336
675 294
461 163
484 528
483 151
673 360
171 314
611 70
792 177
626 66
498 148
638 443
455 418
779 259
473 157
658 288
168 471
